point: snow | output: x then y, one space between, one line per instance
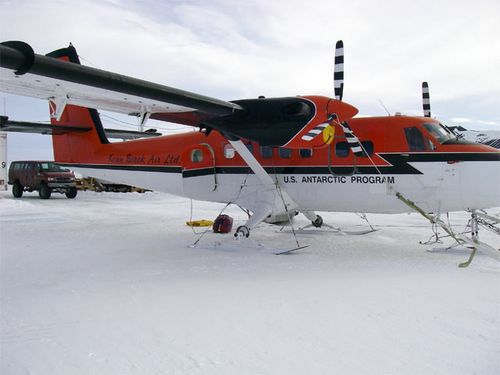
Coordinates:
107 284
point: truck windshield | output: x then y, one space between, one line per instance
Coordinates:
439 132
51 167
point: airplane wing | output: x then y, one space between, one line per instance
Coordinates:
60 78
47 77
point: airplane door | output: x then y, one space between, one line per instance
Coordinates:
433 173
199 176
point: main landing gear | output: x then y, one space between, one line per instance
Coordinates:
316 220
242 231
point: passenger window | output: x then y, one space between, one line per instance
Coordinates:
229 151
367 148
415 139
342 149
285 153
266 152
305 152
196 156
250 147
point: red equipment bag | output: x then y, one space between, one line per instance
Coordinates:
223 224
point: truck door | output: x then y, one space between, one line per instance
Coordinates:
31 174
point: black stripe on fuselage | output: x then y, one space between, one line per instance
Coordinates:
449 156
138 168
398 165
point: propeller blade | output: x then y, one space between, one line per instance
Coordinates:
324 128
352 140
338 70
426 99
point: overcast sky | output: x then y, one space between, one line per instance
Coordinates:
233 49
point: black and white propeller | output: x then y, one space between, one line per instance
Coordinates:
426 103
338 70
426 99
338 85
326 128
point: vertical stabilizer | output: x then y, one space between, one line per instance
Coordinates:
74 147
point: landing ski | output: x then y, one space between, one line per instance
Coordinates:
335 230
289 251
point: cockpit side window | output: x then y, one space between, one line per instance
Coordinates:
415 139
430 145
439 132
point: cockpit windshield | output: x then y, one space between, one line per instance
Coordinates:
440 132
51 167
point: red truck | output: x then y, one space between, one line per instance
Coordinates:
44 176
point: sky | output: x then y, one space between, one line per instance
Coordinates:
232 49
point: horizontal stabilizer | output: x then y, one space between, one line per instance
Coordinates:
7 125
130 134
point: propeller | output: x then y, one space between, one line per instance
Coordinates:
326 128
426 102
338 83
426 99
352 140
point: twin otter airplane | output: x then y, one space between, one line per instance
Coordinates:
272 156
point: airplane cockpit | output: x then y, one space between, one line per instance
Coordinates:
444 135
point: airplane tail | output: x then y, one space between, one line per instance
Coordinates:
73 146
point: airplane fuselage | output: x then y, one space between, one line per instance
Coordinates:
329 160
402 155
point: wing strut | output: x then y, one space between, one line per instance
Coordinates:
269 198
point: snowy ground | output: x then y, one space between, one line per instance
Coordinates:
106 284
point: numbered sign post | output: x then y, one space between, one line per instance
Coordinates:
3 161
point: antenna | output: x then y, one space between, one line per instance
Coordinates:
383 106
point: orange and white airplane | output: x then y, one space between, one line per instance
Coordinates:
272 156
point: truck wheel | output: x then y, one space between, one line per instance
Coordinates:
71 193
44 191
17 190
